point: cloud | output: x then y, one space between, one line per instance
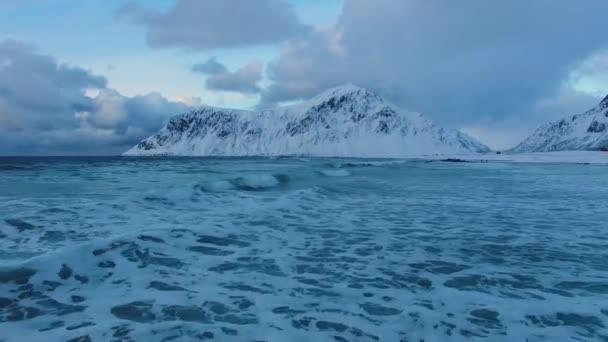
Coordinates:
210 67
45 108
592 74
37 92
458 62
109 110
211 24
72 141
113 111
244 80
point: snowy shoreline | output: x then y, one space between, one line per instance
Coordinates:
560 157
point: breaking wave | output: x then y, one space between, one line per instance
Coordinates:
335 173
259 182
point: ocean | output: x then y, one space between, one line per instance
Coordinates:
299 249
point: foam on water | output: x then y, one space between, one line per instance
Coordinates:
259 182
157 250
335 173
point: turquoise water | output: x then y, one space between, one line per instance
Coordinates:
120 249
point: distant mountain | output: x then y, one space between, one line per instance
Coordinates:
587 131
346 121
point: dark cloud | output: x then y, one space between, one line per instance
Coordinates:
37 92
151 111
213 24
45 109
244 80
457 61
73 141
210 67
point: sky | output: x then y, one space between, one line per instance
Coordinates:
95 77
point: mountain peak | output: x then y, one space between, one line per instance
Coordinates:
345 90
604 103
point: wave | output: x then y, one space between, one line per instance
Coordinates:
17 167
361 164
246 183
218 186
335 173
260 182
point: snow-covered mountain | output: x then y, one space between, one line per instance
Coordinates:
346 121
587 131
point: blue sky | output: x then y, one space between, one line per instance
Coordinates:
496 70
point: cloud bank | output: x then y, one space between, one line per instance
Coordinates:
45 108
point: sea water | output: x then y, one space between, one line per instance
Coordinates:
126 249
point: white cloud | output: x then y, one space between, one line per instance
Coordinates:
591 75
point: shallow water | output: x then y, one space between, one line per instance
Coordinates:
116 249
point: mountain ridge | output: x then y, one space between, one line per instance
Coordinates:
345 121
587 132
